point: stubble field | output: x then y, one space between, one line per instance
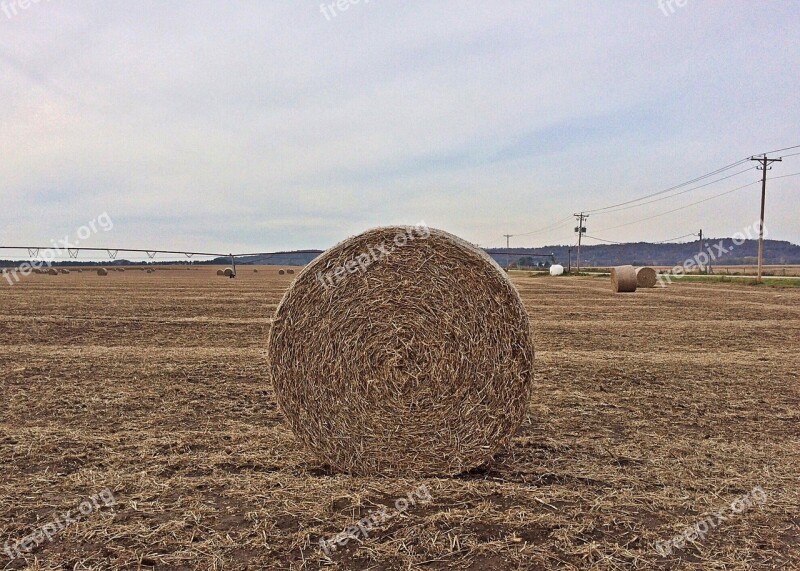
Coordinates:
651 412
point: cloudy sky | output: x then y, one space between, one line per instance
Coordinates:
263 126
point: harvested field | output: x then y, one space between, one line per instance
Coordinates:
651 412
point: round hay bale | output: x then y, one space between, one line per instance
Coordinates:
121 270
623 279
64 271
228 273
419 362
220 273
281 272
646 277
149 271
290 271
556 270
255 271
52 272
102 272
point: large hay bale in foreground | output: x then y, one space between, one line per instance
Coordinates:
418 362
646 277
623 279
102 272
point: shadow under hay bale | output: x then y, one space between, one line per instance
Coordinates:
416 363
623 279
646 277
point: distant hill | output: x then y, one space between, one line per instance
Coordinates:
636 253
647 254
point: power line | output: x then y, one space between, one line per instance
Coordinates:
601 240
677 186
678 193
695 203
678 238
779 150
554 226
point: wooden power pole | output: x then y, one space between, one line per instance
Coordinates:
764 166
508 242
580 229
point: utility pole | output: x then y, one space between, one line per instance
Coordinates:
764 166
703 269
569 260
581 230
508 239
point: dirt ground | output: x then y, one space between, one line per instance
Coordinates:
653 411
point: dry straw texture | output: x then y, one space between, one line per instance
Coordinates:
623 279
646 277
419 364
102 272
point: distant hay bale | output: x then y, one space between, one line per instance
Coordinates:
623 279
228 273
220 272
556 270
417 362
281 272
149 271
255 271
121 270
646 277
102 272
289 271
64 271
52 272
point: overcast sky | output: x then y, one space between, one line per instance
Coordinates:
262 126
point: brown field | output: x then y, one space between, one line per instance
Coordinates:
652 411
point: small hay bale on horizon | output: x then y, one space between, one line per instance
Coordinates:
417 363
52 272
281 272
623 279
646 277
289 271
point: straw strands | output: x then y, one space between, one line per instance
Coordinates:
417 362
